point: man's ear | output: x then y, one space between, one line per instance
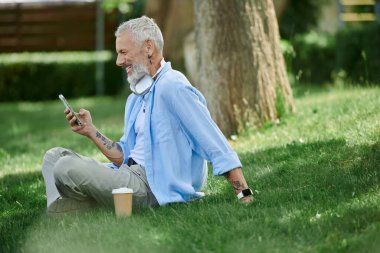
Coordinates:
149 46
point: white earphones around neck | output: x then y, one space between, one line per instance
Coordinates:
142 86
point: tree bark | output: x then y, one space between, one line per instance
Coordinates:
241 70
158 10
280 7
176 20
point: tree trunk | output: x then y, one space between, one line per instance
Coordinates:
158 10
280 7
176 20
241 70
179 23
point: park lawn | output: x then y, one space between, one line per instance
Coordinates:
315 175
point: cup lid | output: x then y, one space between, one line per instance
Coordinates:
122 190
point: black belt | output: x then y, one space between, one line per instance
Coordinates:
131 162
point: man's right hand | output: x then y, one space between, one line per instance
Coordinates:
87 128
109 148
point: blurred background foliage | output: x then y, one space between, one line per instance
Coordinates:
131 8
37 76
300 17
351 54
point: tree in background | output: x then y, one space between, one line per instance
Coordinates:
176 20
241 70
280 7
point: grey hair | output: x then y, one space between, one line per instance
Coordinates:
143 29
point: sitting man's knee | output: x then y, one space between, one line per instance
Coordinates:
54 151
53 154
50 158
50 154
64 168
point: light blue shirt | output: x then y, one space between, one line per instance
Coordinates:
179 136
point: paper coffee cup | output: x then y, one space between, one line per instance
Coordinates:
122 199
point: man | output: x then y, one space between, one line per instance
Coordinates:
168 135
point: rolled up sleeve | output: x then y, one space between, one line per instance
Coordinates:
203 134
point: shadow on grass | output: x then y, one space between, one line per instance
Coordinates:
330 188
21 203
312 197
313 173
294 183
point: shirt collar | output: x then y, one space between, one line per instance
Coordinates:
162 64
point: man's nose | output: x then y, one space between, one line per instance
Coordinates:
119 61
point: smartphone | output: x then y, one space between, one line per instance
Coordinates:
67 105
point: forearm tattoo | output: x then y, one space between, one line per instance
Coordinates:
119 147
108 143
237 185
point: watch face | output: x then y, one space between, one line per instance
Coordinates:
247 192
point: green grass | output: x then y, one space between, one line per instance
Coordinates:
315 174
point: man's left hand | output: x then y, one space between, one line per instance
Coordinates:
247 199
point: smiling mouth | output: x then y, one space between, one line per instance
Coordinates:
128 69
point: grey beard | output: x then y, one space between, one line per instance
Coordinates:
139 71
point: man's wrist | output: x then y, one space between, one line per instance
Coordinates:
92 133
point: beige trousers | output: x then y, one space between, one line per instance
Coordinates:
70 175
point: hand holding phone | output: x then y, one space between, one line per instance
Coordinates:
67 105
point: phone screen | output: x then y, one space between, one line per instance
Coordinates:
67 105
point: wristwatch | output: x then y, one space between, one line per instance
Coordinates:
244 193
